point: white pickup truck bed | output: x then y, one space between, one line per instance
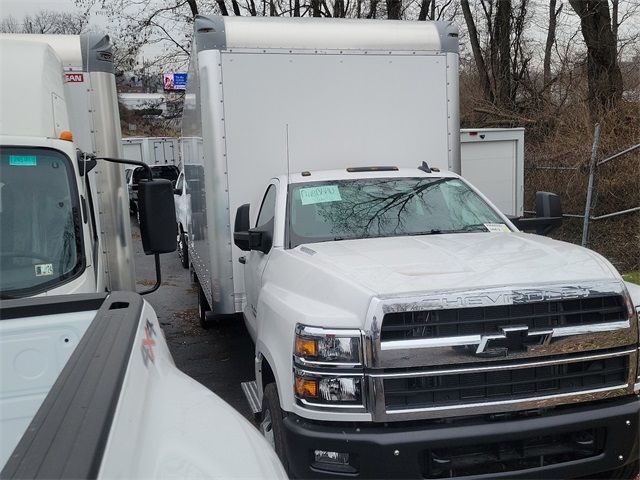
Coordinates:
89 389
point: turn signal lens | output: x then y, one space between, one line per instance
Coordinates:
306 347
306 387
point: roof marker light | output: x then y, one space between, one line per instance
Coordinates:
66 135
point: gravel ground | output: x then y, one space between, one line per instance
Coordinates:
220 357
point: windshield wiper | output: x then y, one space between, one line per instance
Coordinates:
6 296
476 227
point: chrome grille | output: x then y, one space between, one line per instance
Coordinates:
430 324
500 349
444 389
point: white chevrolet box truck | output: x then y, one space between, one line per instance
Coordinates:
403 325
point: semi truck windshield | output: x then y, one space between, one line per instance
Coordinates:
40 242
385 207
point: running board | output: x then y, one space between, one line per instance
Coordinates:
250 390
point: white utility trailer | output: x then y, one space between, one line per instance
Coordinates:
151 150
492 159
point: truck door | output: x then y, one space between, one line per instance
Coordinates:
256 261
158 153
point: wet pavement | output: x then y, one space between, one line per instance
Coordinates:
220 357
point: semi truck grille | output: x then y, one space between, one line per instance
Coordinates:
427 391
486 320
514 455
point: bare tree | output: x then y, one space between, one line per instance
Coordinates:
46 21
551 39
603 73
394 9
478 56
10 25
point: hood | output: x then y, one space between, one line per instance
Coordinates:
399 265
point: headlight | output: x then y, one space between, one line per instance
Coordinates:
321 347
328 390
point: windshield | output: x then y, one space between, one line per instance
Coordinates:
40 242
168 172
385 207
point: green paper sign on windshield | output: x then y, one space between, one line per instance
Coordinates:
321 194
23 160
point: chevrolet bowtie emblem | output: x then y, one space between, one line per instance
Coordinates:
513 339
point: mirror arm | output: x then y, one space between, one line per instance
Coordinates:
158 277
128 162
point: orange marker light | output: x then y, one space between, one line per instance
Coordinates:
66 135
306 347
306 387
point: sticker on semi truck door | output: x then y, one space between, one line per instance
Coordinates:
44 269
320 194
23 160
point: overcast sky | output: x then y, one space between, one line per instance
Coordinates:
20 8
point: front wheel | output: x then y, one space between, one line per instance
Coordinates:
271 425
203 308
183 250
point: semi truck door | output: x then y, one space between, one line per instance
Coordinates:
256 261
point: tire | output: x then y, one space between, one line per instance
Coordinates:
203 309
271 425
183 249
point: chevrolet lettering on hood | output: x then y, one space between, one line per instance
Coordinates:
485 299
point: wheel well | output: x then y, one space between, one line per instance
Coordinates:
267 373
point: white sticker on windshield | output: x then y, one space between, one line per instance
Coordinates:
320 194
497 227
44 269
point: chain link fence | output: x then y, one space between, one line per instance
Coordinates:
600 195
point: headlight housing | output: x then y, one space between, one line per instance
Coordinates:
321 347
328 368
328 390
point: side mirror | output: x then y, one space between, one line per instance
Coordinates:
246 238
548 205
241 236
157 216
548 215
241 223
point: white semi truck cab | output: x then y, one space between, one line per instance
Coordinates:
403 325
64 219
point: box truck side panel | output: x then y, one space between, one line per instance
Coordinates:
132 151
194 165
341 111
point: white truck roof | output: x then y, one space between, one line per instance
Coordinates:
343 174
324 34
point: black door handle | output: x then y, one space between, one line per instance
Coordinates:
242 260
